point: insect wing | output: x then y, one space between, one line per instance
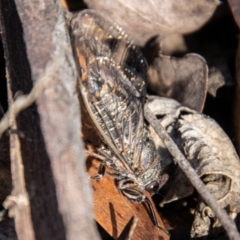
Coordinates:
110 41
112 84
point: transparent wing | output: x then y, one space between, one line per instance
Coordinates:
109 40
113 73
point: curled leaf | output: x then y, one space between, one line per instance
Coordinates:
183 79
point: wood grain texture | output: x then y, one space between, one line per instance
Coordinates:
113 211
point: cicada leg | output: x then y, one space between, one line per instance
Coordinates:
135 195
101 168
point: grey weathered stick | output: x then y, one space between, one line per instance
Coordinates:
22 102
19 198
225 220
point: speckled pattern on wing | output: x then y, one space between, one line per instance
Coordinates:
113 75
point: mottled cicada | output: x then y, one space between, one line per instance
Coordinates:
112 84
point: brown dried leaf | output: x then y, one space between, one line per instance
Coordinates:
150 18
113 211
183 79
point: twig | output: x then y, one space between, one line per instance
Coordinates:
24 101
227 223
19 198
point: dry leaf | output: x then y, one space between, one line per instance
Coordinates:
183 79
113 211
150 18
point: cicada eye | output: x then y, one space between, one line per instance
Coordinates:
152 187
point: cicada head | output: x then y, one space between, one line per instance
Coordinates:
151 177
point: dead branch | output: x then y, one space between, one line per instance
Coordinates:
18 201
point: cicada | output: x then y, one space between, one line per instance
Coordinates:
113 87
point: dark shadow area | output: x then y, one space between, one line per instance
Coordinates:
3 82
176 217
220 108
7 230
76 5
151 49
217 39
104 235
113 220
